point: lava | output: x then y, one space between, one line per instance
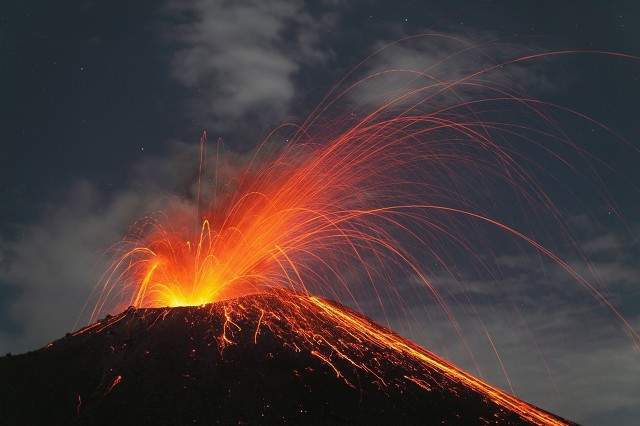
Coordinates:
350 210
342 215
276 356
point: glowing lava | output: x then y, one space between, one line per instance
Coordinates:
341 216
352 214
304 359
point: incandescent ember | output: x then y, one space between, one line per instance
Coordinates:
275 357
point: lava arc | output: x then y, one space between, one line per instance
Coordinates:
350 211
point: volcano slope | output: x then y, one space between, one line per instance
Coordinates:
276 357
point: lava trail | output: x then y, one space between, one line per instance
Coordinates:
272 357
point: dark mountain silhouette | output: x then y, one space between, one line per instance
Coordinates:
271 358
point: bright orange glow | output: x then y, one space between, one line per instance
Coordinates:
355 208
312 213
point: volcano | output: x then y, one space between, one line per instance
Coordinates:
276 357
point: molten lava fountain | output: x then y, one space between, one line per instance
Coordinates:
231 319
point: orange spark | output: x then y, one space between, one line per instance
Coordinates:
116 382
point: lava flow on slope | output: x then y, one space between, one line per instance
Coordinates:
274 357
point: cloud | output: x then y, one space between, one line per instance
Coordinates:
561 348
54 263
438 61
241 57
564 358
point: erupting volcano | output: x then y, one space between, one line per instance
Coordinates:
227 296
275 357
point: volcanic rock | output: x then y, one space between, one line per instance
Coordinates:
272 358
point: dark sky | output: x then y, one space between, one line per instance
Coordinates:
87 84
98 96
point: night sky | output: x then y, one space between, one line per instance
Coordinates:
103 103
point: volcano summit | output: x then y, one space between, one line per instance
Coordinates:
276 357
